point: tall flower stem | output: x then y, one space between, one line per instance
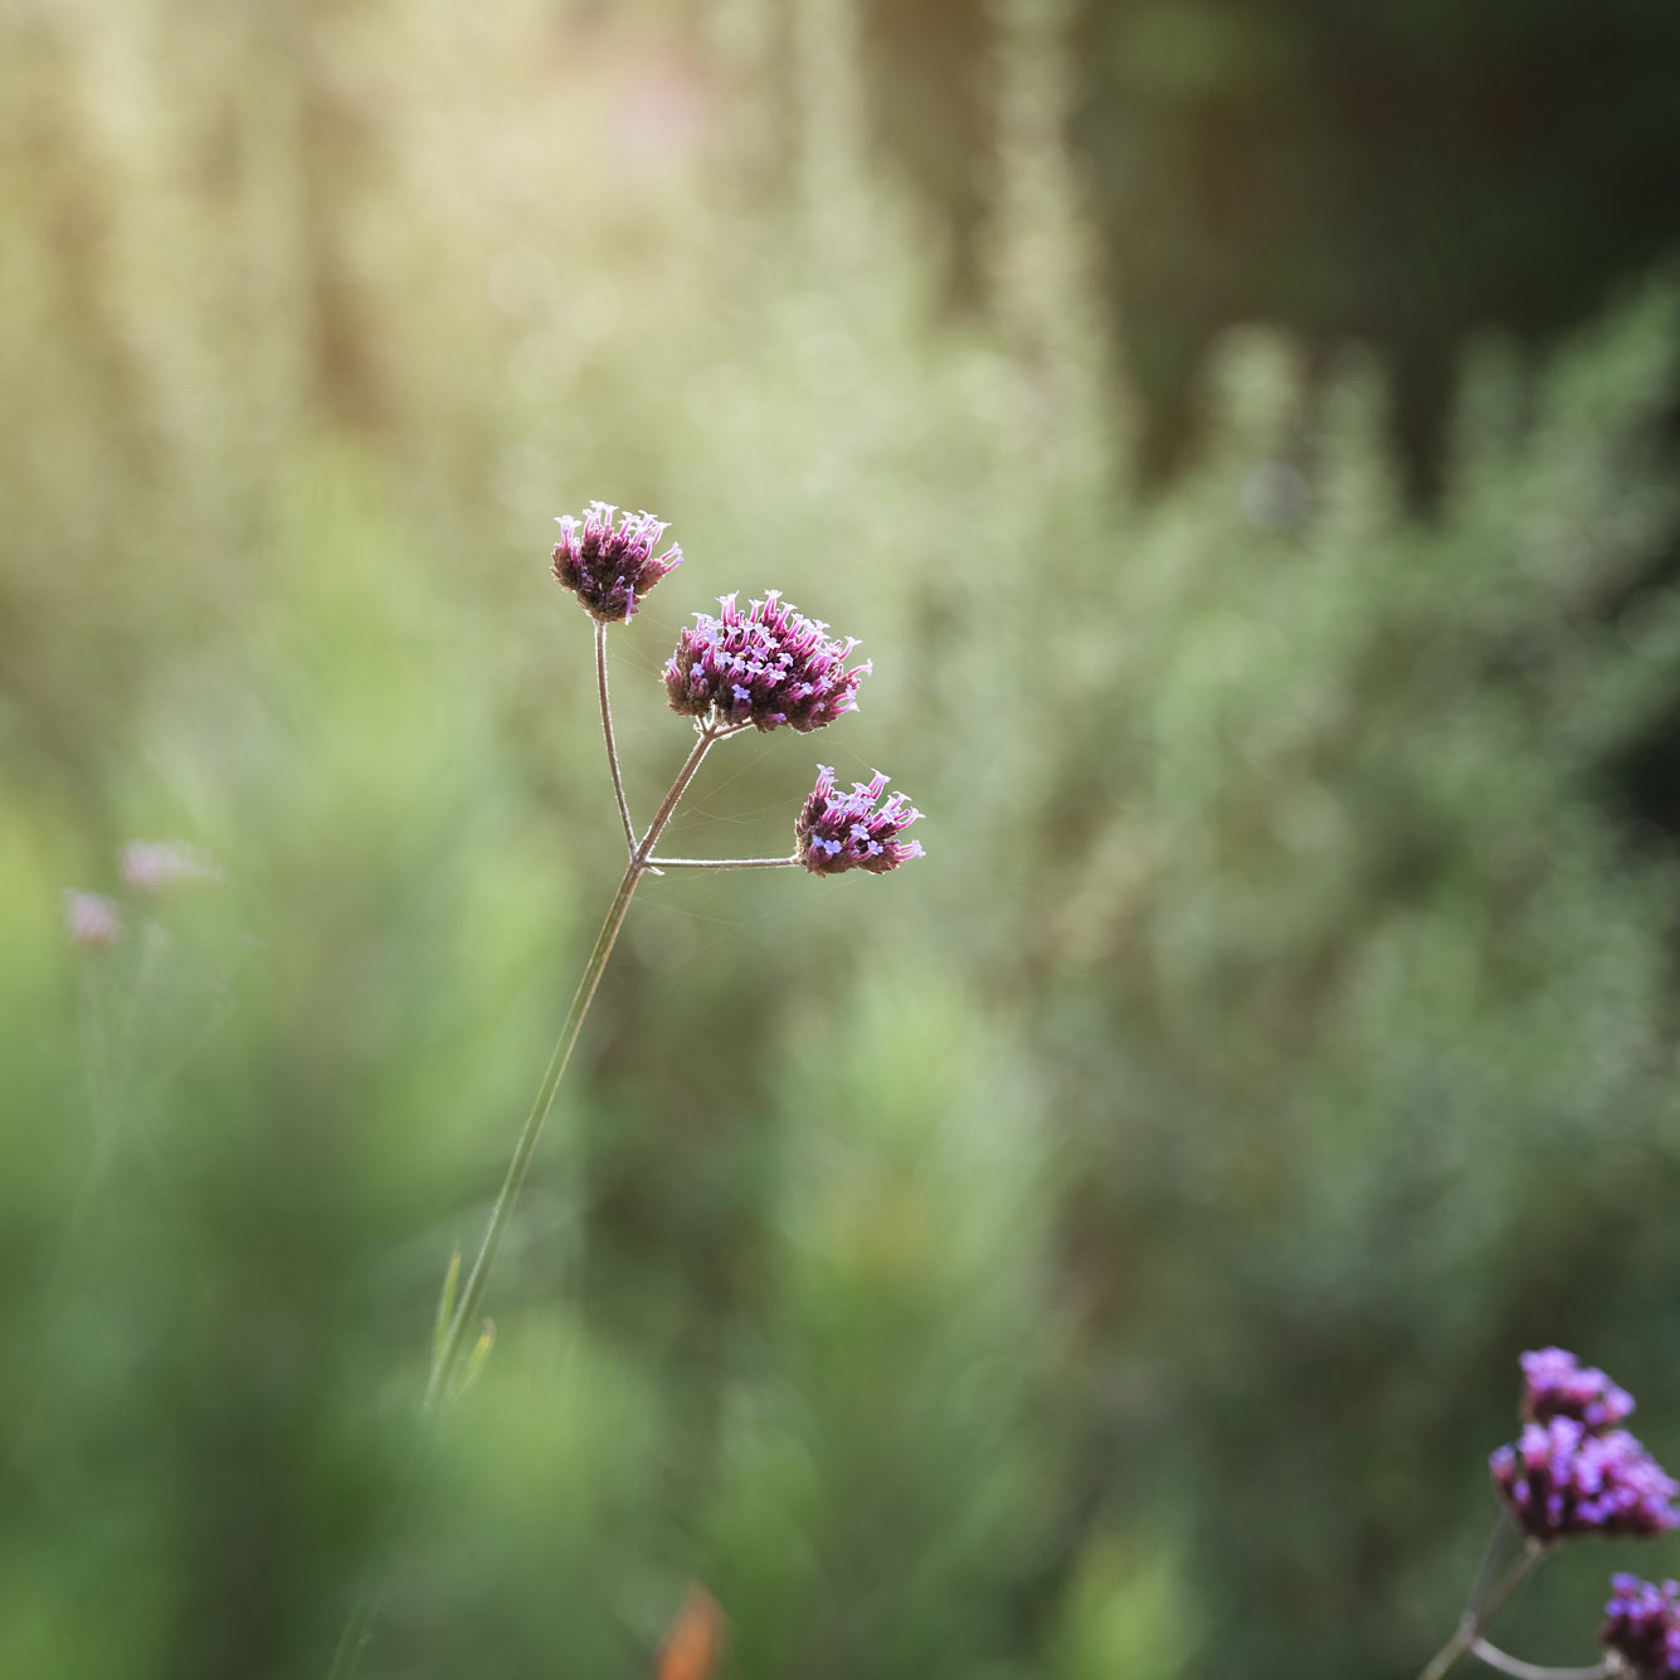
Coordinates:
472 1295
1470 1628
448 1357
607 731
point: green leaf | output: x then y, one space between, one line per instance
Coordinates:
446 1307
476 1360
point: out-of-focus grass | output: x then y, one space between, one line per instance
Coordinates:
1098 1248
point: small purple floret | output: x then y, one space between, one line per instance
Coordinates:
611 570
1560 1479
92 922
153 867
1642 1626
1556 1384
857 830
767 666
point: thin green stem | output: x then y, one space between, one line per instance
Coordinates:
358 1627
708 734
447 1358
1470 1628
1504 1531
472 1295
607 731
1520 1670
722 863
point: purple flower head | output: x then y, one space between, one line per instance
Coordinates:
767 666
1642 1626
1561 1479
1556 1384
154 866
92 922
857 830
610 571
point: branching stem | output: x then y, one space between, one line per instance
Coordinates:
464 1323
1470 1628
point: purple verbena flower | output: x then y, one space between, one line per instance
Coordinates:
767 666
1560 1479
610 571
154 866
857 830
91 921
1642 1626
1556 1384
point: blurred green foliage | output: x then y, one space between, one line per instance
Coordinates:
1407 172
1099 1250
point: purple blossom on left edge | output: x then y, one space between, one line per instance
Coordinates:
1642 1627
857 830
1559 1479
611 570
92 922
1556 1384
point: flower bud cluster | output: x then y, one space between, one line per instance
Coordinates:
1560 1479
1642 1627
609 570
857 830
1556 1384
767 666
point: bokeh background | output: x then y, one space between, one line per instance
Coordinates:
1243 435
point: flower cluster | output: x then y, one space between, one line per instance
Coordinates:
857 830
611 570
1556 1384
1561 1479
760 667
150 868
767 666
1642 1627
1574 1470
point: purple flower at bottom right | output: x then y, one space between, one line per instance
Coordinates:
857 830
1642 1627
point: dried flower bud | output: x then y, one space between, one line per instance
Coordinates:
154 866
92 922
857 830
767 666
610 571
1556 1384
1559 1480
1642 1627
691 1647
